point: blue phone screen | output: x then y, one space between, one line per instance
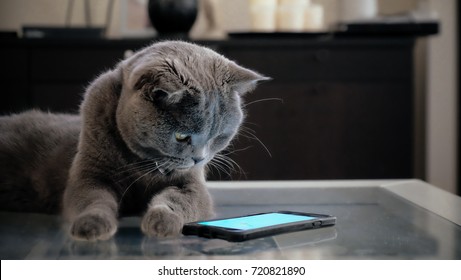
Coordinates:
257 221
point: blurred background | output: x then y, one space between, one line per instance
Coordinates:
130 17
369 87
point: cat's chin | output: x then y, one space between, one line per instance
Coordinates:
176 169
185 169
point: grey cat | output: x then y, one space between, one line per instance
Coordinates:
146 131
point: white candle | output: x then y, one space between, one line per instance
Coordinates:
353 10
294 2
262 13
313 18
263 2
290 15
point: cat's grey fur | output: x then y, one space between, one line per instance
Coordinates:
122 155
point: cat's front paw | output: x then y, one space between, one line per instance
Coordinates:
161 221
93 226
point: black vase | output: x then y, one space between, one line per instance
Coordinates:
172 18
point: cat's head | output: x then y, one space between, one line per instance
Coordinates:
181 103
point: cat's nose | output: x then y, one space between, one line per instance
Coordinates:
197 159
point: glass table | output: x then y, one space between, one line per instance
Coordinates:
377 219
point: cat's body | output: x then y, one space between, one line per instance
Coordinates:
36 151
145 133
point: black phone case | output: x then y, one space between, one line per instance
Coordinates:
243 235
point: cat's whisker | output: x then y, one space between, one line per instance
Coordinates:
133 170
246 128
263 100
165 166
224 165
211 166
153 177
138 163
233 151
231 162
246 133
215 161
140 177
149 171
168 168
138 168
142 168
219 168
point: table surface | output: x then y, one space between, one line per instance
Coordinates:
391 219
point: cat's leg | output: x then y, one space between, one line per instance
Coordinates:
91 211
90 203
173 207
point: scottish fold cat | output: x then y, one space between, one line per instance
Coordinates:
145 133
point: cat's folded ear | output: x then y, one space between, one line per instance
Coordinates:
151 87
243 80
164 98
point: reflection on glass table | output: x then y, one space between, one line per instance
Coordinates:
375 220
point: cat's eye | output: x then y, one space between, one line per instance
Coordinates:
180 137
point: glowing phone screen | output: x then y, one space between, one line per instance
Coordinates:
257 221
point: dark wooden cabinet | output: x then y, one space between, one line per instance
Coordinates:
14 78
347 109
337 108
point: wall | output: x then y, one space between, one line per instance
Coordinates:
16 13
231 15
442 100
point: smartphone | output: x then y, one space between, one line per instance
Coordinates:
237 229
